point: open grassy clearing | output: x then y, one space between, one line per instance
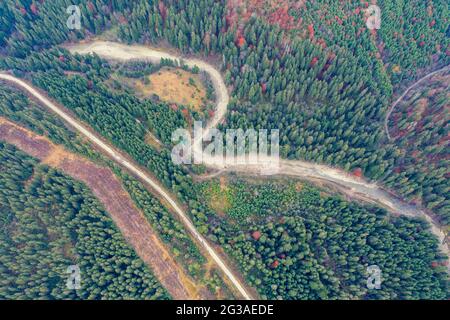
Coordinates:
176 86
171 85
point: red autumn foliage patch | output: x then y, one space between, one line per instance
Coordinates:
256 235
357 172
322 43
90 6
240 41
162 9
122 19
33 8
186 115
313 61
311 31
263 87
282 17
398 170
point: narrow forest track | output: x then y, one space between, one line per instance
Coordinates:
403 95
351 186
133 168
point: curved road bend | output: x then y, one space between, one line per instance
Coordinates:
136 171
353 187
391 109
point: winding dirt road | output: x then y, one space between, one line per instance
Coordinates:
109 191
134 169
351 186
415 84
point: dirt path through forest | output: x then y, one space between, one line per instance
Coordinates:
353 187
399 99
138 172
108 190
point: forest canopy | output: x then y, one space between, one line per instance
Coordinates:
328 87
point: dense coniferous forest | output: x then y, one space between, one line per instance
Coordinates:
328 98
420 127
326 88
50 222
294 242
269 202
18 108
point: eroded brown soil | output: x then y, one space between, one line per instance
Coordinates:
108 190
